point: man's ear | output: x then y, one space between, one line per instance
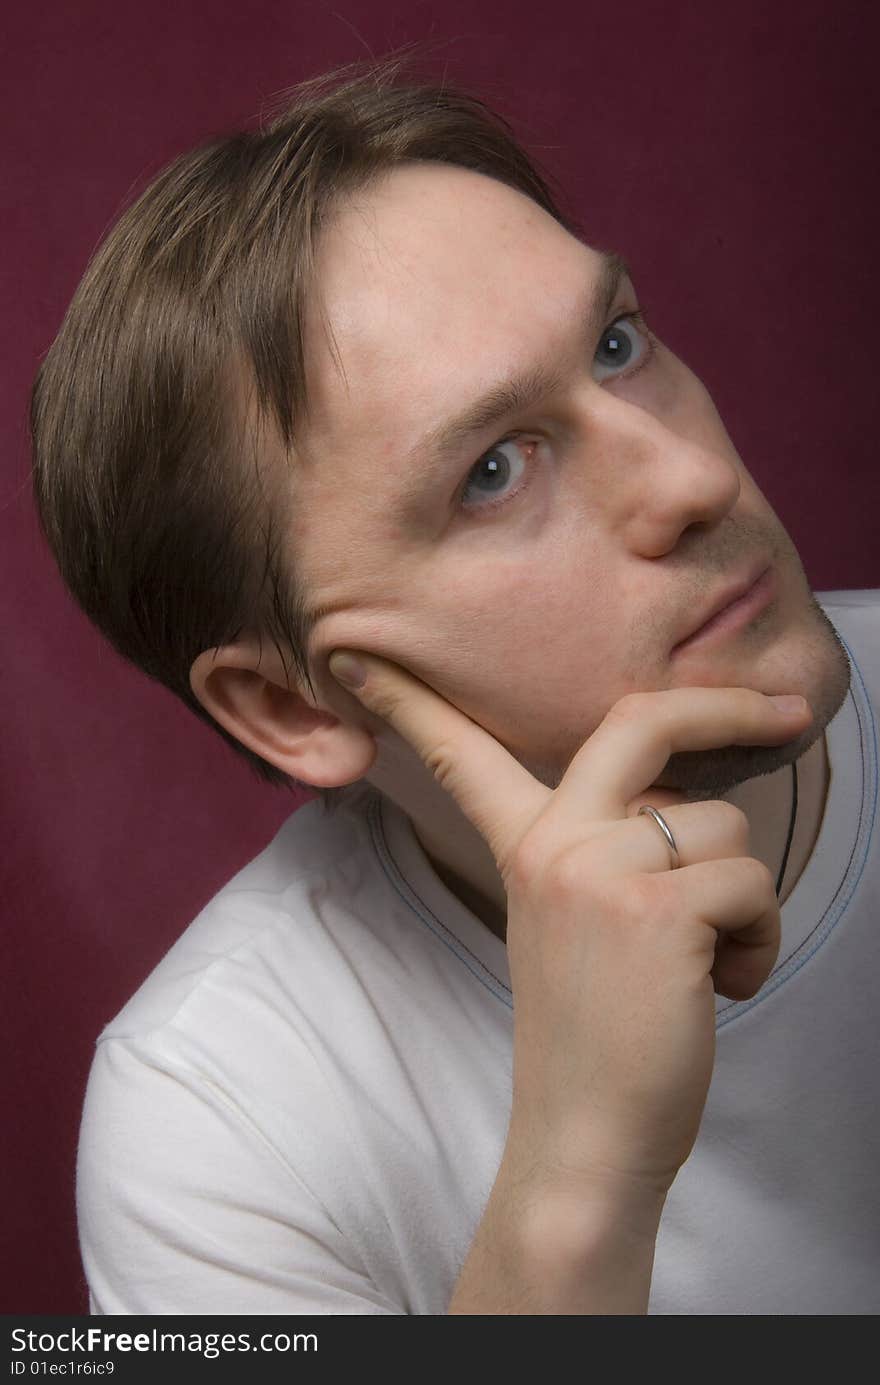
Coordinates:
247 690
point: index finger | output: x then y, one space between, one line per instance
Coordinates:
493 790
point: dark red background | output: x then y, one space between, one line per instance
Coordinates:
728 149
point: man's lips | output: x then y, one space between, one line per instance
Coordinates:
734 607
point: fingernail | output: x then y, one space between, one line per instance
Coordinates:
788 702
347 669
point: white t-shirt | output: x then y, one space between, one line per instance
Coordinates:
303 1107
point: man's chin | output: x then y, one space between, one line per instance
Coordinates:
705 774
702 774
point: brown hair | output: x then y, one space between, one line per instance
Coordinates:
146 475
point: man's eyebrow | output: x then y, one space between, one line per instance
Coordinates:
519 392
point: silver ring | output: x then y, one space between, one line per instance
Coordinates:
664 828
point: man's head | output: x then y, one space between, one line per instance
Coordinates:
494 474
537 564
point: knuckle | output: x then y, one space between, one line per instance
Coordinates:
567 877
562 878
629 708
381 700
523 867
441 760
764 882
531 859
735 820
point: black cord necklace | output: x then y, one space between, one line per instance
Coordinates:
794 803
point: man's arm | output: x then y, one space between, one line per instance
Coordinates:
184 1206
615 960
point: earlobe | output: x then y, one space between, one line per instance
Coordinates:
248 691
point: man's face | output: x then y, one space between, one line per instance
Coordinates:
549 561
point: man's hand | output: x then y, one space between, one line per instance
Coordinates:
614 958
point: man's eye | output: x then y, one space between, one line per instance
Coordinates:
622 346
497 476
501 473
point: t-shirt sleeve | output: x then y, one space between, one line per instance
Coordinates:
184 1206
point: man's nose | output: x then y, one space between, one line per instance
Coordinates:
668 480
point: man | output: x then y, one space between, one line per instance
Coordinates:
449 1048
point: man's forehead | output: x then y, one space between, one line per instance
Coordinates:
426 283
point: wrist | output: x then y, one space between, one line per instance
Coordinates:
575 1215
572 1178
577 1245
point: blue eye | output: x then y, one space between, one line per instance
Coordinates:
621 344
491 476
501 473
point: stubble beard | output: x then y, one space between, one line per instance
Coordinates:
707 774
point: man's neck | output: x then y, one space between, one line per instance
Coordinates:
767 802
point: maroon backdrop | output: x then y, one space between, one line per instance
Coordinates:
729 150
